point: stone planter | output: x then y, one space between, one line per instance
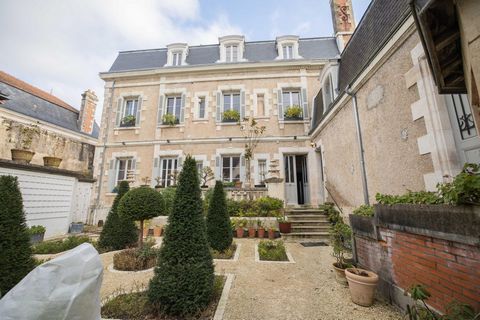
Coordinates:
340 276
22 156
76 227
52 162
362 286
298 118
37 237
364 226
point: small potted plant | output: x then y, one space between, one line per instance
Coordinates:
341 240
362 284
157 231
240 225
158 180
271 233
36 234
283 224
227 184
261 229
293 112
128 121
206 175
23 154
170 119
238 184
231 116
76 227
251 228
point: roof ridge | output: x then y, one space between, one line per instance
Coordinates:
24 86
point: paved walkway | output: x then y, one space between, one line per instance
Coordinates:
304 290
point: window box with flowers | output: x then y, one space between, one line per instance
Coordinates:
231 116
293 113
128 121
170 119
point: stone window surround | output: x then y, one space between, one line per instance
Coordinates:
266 99
176 48
128 95
164 93
123 154
256 170
225 41
225 88
287 40
286 86
196 106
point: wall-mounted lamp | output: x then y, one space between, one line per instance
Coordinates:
294 137
123 142
229 139
313 144
168 141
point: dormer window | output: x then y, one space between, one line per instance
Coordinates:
177 54
287 47
231 49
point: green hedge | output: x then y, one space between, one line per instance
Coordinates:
261 207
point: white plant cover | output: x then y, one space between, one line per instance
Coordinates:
66 287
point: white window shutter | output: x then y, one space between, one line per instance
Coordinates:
134 169
180 163
280 104
119 112
219 107
217 168
111 175
139 111
182 109
155 172
305 103
242 168
242 105
161 100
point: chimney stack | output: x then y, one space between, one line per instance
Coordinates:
343 21
87 111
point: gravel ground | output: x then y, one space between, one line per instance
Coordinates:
304 290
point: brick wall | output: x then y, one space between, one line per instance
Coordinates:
450 270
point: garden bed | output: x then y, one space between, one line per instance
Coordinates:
273 251
136 259
135 305
57 246
231 254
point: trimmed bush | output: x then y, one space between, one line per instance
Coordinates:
168 196
219 232
15 253
57 246
118 232
141 204
183 281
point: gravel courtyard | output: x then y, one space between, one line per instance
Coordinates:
304 290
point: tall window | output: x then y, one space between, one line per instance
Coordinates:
124 169
199 167
129 113
328 92
287 51
168 171
230 168
177 59
262 170
291 99
201 108
174 104
231 101
231 53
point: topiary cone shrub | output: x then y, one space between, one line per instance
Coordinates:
15 253
183 281
219 230
141 204
118 232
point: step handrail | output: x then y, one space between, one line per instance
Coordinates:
334 201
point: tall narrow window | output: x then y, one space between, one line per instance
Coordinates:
231 53
328 92
174 104
124 169
231 107
201 108
262 171
260 105
168 171
177 59
291 104
129 115
287 51
230 168
199 167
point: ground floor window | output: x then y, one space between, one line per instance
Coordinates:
230 168
124 169
262 170
168 171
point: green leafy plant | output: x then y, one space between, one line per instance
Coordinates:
136 259
36 230
57 246
119 232
341 240
411 197
268 206
229 184
364 210
170 119
129 120
15 253
141 204
231 115
293 112
465 188
271 250
225 254
168 195
333 215
219 232
183 282
206 175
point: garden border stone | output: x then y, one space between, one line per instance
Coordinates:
112 269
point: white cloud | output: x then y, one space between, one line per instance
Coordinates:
63 45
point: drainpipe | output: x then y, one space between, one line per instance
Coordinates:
352 94
105 135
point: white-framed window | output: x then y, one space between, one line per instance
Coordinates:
231 101
328 92
129 115
262 170
291 98
177 58
199 167
231 53
174 105
124 170
231 168
168 171
287 51
202 112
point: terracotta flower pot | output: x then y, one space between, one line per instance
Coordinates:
362 285
145 232
271 234
261 233
239 232
285 227
340 276
52 162
238 184
157 231
22 156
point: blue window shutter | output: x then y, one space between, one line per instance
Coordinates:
111 175
119 112
217 168
280 104
182 109
139 111
219 107
305 103
161 100
242 168
242 105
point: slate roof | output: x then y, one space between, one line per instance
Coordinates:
259 51
33 102
379 22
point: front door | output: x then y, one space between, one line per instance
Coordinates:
466 135
296 180
290 180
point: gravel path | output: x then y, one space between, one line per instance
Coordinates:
304 290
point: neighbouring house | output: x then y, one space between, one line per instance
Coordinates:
33 120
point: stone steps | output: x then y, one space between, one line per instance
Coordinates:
307 217
305 236
306 229
308 224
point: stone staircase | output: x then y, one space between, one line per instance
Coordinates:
308 224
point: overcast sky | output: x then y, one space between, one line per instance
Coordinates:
61 46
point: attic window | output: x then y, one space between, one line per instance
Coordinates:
287 47
287 51
177 59
231 53
177 54
231 49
